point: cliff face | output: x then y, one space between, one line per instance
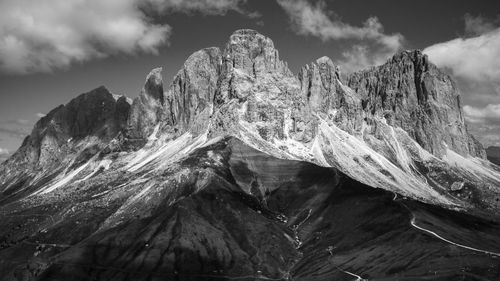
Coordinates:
148 108
190 96
413 94
93 118
328 98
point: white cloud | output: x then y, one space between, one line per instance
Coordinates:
475 59
375 46
489 114
484 123
39 36
362 56
40 115
3 151
42 35
206 7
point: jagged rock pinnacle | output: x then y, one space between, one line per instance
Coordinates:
147 108
253 53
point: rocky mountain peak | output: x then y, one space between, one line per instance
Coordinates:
92 118
153 86
253 53
413 94
147 109
414 56
193 88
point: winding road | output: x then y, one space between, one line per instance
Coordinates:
414 224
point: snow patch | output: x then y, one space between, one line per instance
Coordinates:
63 181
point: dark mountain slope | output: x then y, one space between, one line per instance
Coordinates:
300 222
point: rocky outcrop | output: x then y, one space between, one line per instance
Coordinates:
253 53
93 118
192 91
256 88
327 97
413 94
148 108
97 113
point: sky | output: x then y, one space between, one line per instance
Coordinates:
53 50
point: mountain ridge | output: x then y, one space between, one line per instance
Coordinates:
214 87
240 169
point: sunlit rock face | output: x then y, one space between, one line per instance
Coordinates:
415 95
148 108
191 94
240 169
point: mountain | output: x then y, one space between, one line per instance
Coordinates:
240 169
493 153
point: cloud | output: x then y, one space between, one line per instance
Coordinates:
4 154
40 36
206 7
14 132
478 25
484 123
40 115
362 56
374 45
488 114
474 59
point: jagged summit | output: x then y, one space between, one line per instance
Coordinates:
154 85
147 109
417 96
253 53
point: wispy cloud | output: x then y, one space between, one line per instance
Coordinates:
39 36
15 128
361 56
374 45
14 132
206 7
478 25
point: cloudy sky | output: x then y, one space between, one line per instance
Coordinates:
53 50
